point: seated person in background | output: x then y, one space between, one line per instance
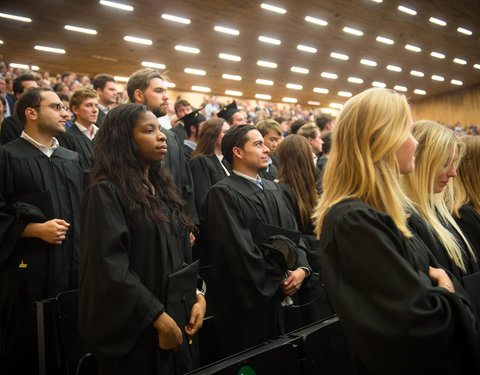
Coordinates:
311 132
134 235
247 286
272 135
192 123
232 115
182 108
401 314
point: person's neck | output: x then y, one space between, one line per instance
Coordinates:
244 170
218 150
193 139
104 105
44 139
88 126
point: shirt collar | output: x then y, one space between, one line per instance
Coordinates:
257 181
85 131
190 144
48 151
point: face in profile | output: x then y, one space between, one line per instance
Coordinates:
254 153
150 141
52 116
406 154
448 171
155 97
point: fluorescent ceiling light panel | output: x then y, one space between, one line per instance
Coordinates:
355 80
273 8
336 105
352 31
305 48
456 82
226 56
226 30
420 92
170 17
477 66
263 96
368 62
437 21
456 60
289 100
233 93
320 90
201 88
49 49
313 102
382 39
265 82
394 68
413 48
400 88
267 64
134 39
416 73
464 31
404 9
438 78
116 5
232 77
15 18
329 75
23 66
81 30
379 84
293 86
438 55
198 72
339 56
266 39
298 69
149 64
316 21
120 79
345 94
187 49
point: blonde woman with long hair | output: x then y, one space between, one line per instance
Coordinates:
400 315
466 207
437 158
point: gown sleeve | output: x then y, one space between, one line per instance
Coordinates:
114 305
395 320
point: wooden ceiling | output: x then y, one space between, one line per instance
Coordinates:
107 52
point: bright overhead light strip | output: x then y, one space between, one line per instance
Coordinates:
316 21
298 69
394 68
345 94
352 31
456 60
187 49
355 80
198 72
379 84
368 62
226 56
201 88
170 17
15 18
416 73
464 31
404 9
226 30
81 29
420 92
267 64
437 21
273 8
232 77
120 79
23 66
400 88
233 93
336 105
438 55
263 96
329 75
382 39
265 82
49 49
153 65
476 66
339 56
438 78
413 48
293 86
289 100
456 82
304 48
134 39
266 39
320 90
113 4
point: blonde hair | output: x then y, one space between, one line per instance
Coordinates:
467 183
368 131
436 150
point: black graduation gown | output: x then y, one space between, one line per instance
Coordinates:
177 164
34 188
12 128
469 223
245 289
123 280
187 152
270 174
100 117
180 132
75 140
394 319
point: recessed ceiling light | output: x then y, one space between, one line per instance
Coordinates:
171 85
273 8
438 55
120 79
289 100
420 92
320 90
266 39
368 62
298 69
379 84
437 21
198 72
416 73
81 29
1 41
113 4
304 48
352 31
293 86
316 21
267 64
456 82
404 9
313 102
459 61
232 77
149 64
339 56
377 1
355 80
134 39
263 96
23 66
400 88
49 49
329 75
226 30
413 48
346 94
187 49
15 18
233 93
464 31
336 105
394 68
226 56
477 66
265 82
437 78
382 39
170 17
201 88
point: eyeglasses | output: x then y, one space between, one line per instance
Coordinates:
56 106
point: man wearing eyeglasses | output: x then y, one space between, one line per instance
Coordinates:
40 190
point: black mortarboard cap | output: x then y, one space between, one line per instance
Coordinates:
194 118
228 110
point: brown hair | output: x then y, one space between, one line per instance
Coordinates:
207 137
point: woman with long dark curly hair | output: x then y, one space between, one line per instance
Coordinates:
134 235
